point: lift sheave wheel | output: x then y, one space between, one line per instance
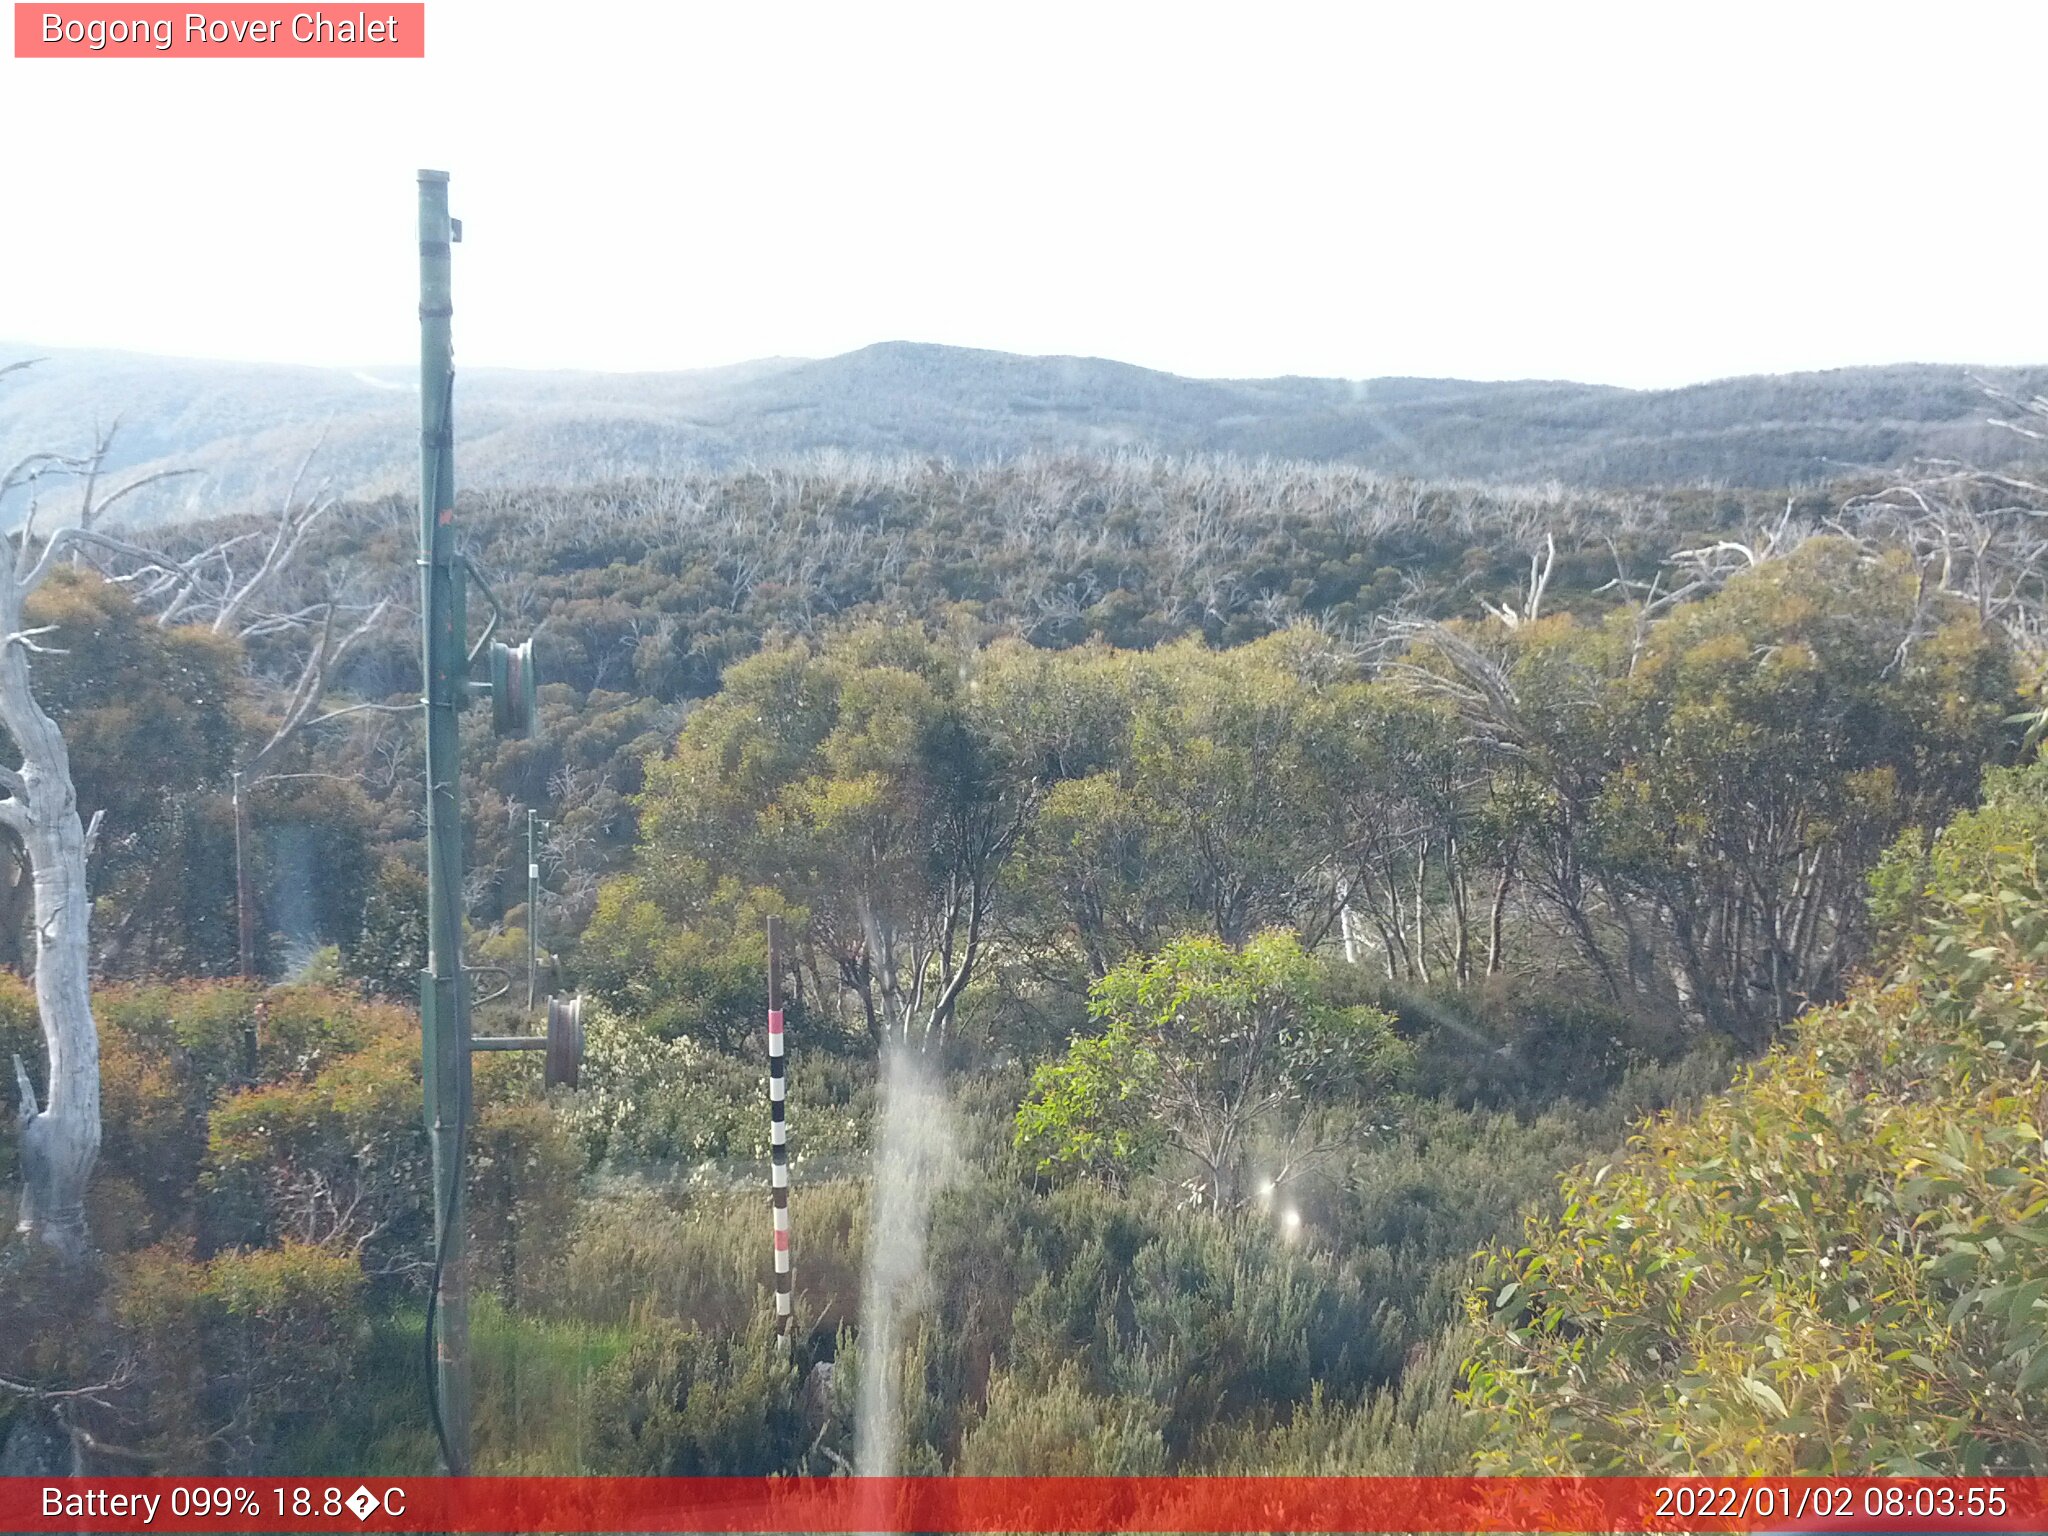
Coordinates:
564 1062
512 688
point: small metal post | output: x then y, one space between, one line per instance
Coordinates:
778 1133
532 910
245 926
245 897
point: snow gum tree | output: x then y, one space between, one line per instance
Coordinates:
60 1131
60 1136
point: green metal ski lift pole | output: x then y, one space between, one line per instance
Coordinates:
448 659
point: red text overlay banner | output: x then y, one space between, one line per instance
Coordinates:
1025 1504
228 31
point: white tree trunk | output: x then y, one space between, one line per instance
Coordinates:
60 1139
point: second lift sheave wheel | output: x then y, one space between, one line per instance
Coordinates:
563 1064
512 688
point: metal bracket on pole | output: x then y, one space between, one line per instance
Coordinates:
562 1067
511 683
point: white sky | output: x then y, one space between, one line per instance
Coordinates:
1649 193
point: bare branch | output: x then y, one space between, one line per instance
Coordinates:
102 445
95 1394
32 467
63 539
328 649
293 522
26 639
139 483
360 709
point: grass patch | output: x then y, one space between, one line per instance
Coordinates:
533 1378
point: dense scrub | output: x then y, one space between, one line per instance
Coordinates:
1283 874
1842 1266
260 1204
1675 814
262 1225
647 591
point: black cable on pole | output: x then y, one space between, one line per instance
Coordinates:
434 1301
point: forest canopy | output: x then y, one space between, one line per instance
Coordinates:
1279 878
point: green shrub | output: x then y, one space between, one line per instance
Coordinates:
21 1036
701 1258
172 1055
341 1159
1058 1430
235 1356
536 1385
1512 1045
1198 1051
680 1403
1841 1266
386 954
1414 1430
524 1174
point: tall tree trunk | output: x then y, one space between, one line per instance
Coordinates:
60 1139
1461 911
1496 919
1393 927
1389 948
1422 913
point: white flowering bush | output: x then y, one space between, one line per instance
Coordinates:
681 1102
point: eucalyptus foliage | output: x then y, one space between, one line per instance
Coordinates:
1205 1050
1843 1265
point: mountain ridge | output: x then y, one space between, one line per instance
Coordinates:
244 428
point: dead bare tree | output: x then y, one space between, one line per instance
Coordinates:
1977 535
1540 568
60 1136
217 587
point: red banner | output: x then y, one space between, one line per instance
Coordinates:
1024 1504
228 31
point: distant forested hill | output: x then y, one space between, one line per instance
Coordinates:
245 427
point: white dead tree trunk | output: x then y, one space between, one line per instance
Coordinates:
60 1136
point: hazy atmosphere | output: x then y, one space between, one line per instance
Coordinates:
1644 195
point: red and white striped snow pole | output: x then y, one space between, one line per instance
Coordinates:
778 1131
